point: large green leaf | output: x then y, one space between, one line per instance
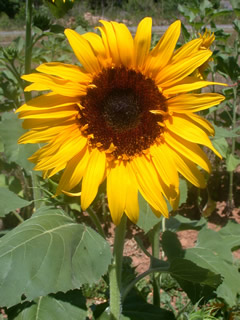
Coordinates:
9 201
49 253
213 251
232 162
197 282
187 270
230 235
221 145
179 223
171 245
61 306
136 308
182 268
224 133
10 130
147 219
106 316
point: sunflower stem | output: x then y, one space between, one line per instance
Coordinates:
155 254
27 95
115 271
28 43
230 194
37 195
17 215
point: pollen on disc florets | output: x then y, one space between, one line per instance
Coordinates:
117 109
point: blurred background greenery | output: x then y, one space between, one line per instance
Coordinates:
87 12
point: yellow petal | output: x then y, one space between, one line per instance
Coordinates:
188 84
203 123
44 135
149 184
132 205
184 127
186 50
51 172
95 42
50 113
164 164
83 51
73 194
54 145
125 44
117 182
46 101
110 41
93 176
73 172
60 86
191 102
190 150
142 42
39 123
97 45
62 156
65 71
163 51
188 169
57 153
174 73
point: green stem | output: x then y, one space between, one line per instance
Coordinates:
28 37
115 270
37 195
230 194
213 90
28 43
141 276
34 41
17 215
97 222
155 253
28 59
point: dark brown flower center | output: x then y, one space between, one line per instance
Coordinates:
117 111
121 109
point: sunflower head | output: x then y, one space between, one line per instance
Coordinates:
126 114
207 39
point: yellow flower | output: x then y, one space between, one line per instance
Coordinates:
207 39
125 115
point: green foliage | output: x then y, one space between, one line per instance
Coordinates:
10 7
197 282
13 151
69 253
59 8
10 202
61 306
137 309
219 259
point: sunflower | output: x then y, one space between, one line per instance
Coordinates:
207 39
124 115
